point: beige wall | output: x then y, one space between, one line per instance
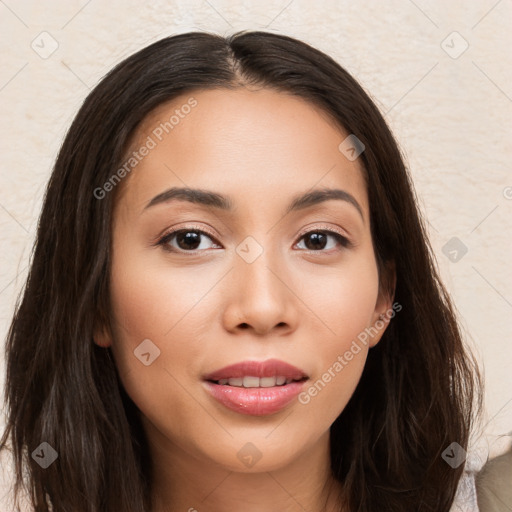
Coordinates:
450 107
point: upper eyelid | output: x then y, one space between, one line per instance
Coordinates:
188 228
310 229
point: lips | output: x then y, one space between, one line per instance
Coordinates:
256 388
260 369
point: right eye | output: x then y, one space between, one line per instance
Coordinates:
186 240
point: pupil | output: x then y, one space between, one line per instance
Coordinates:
318 240
191 238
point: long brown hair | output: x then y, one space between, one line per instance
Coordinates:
420 387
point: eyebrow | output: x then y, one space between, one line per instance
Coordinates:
218 201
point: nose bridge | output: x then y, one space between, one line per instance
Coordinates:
258 263
261 300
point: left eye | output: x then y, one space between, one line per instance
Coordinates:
189 240
317 240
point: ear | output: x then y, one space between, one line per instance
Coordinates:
384 309
102 335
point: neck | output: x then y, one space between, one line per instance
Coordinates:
184 483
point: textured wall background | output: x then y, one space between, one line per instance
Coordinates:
440 71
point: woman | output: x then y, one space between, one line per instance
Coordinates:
232 302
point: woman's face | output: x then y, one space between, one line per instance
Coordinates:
253 275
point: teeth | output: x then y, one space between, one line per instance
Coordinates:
255 382
267 382
251 382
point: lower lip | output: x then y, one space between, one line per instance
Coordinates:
255 401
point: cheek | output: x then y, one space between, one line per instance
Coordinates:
151 304
169 307
151 299
345 300
343 297
326 395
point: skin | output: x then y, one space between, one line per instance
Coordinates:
301 305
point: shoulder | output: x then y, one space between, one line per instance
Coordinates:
493 484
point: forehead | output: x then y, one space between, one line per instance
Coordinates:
259 143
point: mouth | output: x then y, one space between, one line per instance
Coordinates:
256 388
256 382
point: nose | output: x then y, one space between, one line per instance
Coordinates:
260 298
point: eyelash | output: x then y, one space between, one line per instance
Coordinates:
165 239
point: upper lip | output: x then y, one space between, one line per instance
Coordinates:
269 368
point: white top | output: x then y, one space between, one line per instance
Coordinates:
465 498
